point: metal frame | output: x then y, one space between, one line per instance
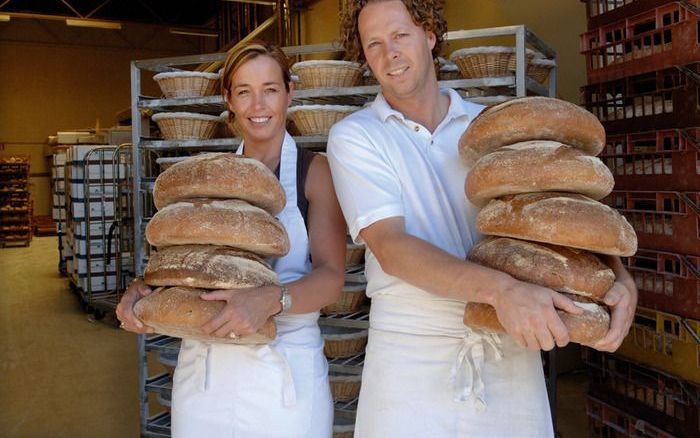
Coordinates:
155 426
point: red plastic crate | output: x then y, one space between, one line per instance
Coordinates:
656 39
665 400
602 12
667 282
665 221
663 99
608 421
655 160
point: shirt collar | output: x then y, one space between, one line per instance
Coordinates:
456 109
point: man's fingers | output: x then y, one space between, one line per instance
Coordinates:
566 304
613 297
217 295
559 331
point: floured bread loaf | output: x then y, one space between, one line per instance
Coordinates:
207 267
586 329
560 219
220 176
556 267
537 166
180 312
230 222
531 118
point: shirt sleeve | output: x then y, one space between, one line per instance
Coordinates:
366 184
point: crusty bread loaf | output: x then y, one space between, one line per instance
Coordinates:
230 222
180 312
556 267
560 219
586 329
531 118
220 176
207 267
537 166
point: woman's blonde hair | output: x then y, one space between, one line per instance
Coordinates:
251 51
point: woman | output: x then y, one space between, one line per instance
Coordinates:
280 390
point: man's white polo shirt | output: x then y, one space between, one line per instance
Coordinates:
385 165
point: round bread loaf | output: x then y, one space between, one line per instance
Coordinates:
232 222
563 219
556 267
586 329
531 118
220 176
207 267
180 312
537 166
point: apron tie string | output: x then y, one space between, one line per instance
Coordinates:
465 376
289 394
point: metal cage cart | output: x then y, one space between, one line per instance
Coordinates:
491 90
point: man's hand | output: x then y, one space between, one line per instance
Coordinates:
125 309
245 312
623 303
528 313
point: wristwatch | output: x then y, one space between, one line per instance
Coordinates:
285 300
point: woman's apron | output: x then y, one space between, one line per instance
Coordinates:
275 390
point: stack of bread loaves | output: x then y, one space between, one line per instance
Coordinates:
213 226
535 174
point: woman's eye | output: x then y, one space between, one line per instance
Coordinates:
242 92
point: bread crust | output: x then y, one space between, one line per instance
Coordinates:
231 222
531 118
537 166
220 176
207 267
562 219
563 269
180 312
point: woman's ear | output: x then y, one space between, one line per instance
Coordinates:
227 97
291 93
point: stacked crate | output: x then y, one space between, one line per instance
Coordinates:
643 63
15 205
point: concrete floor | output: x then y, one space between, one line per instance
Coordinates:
64 375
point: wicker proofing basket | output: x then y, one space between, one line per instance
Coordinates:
350 301
343 427
354 254
343 341
186 126
318 119
327 74
538 69
487 62
345 387
187 83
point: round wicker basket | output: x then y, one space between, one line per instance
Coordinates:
354 254
487 61
350 301
327 74
343 341
344 387
318 119
187 83
186 126
538 69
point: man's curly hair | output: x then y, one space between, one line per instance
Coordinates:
427 14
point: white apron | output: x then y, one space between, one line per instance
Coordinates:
276 390
428 375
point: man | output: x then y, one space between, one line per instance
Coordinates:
399 181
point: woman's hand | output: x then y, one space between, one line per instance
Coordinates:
125 309
246 310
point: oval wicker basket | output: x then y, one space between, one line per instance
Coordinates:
487 61
186 126
354 254
350 301
538 69
318 119
327 74
187 83
343 341
345 387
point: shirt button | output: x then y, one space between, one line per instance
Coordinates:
417 128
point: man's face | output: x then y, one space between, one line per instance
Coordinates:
397 50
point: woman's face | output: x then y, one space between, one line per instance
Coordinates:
259 100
